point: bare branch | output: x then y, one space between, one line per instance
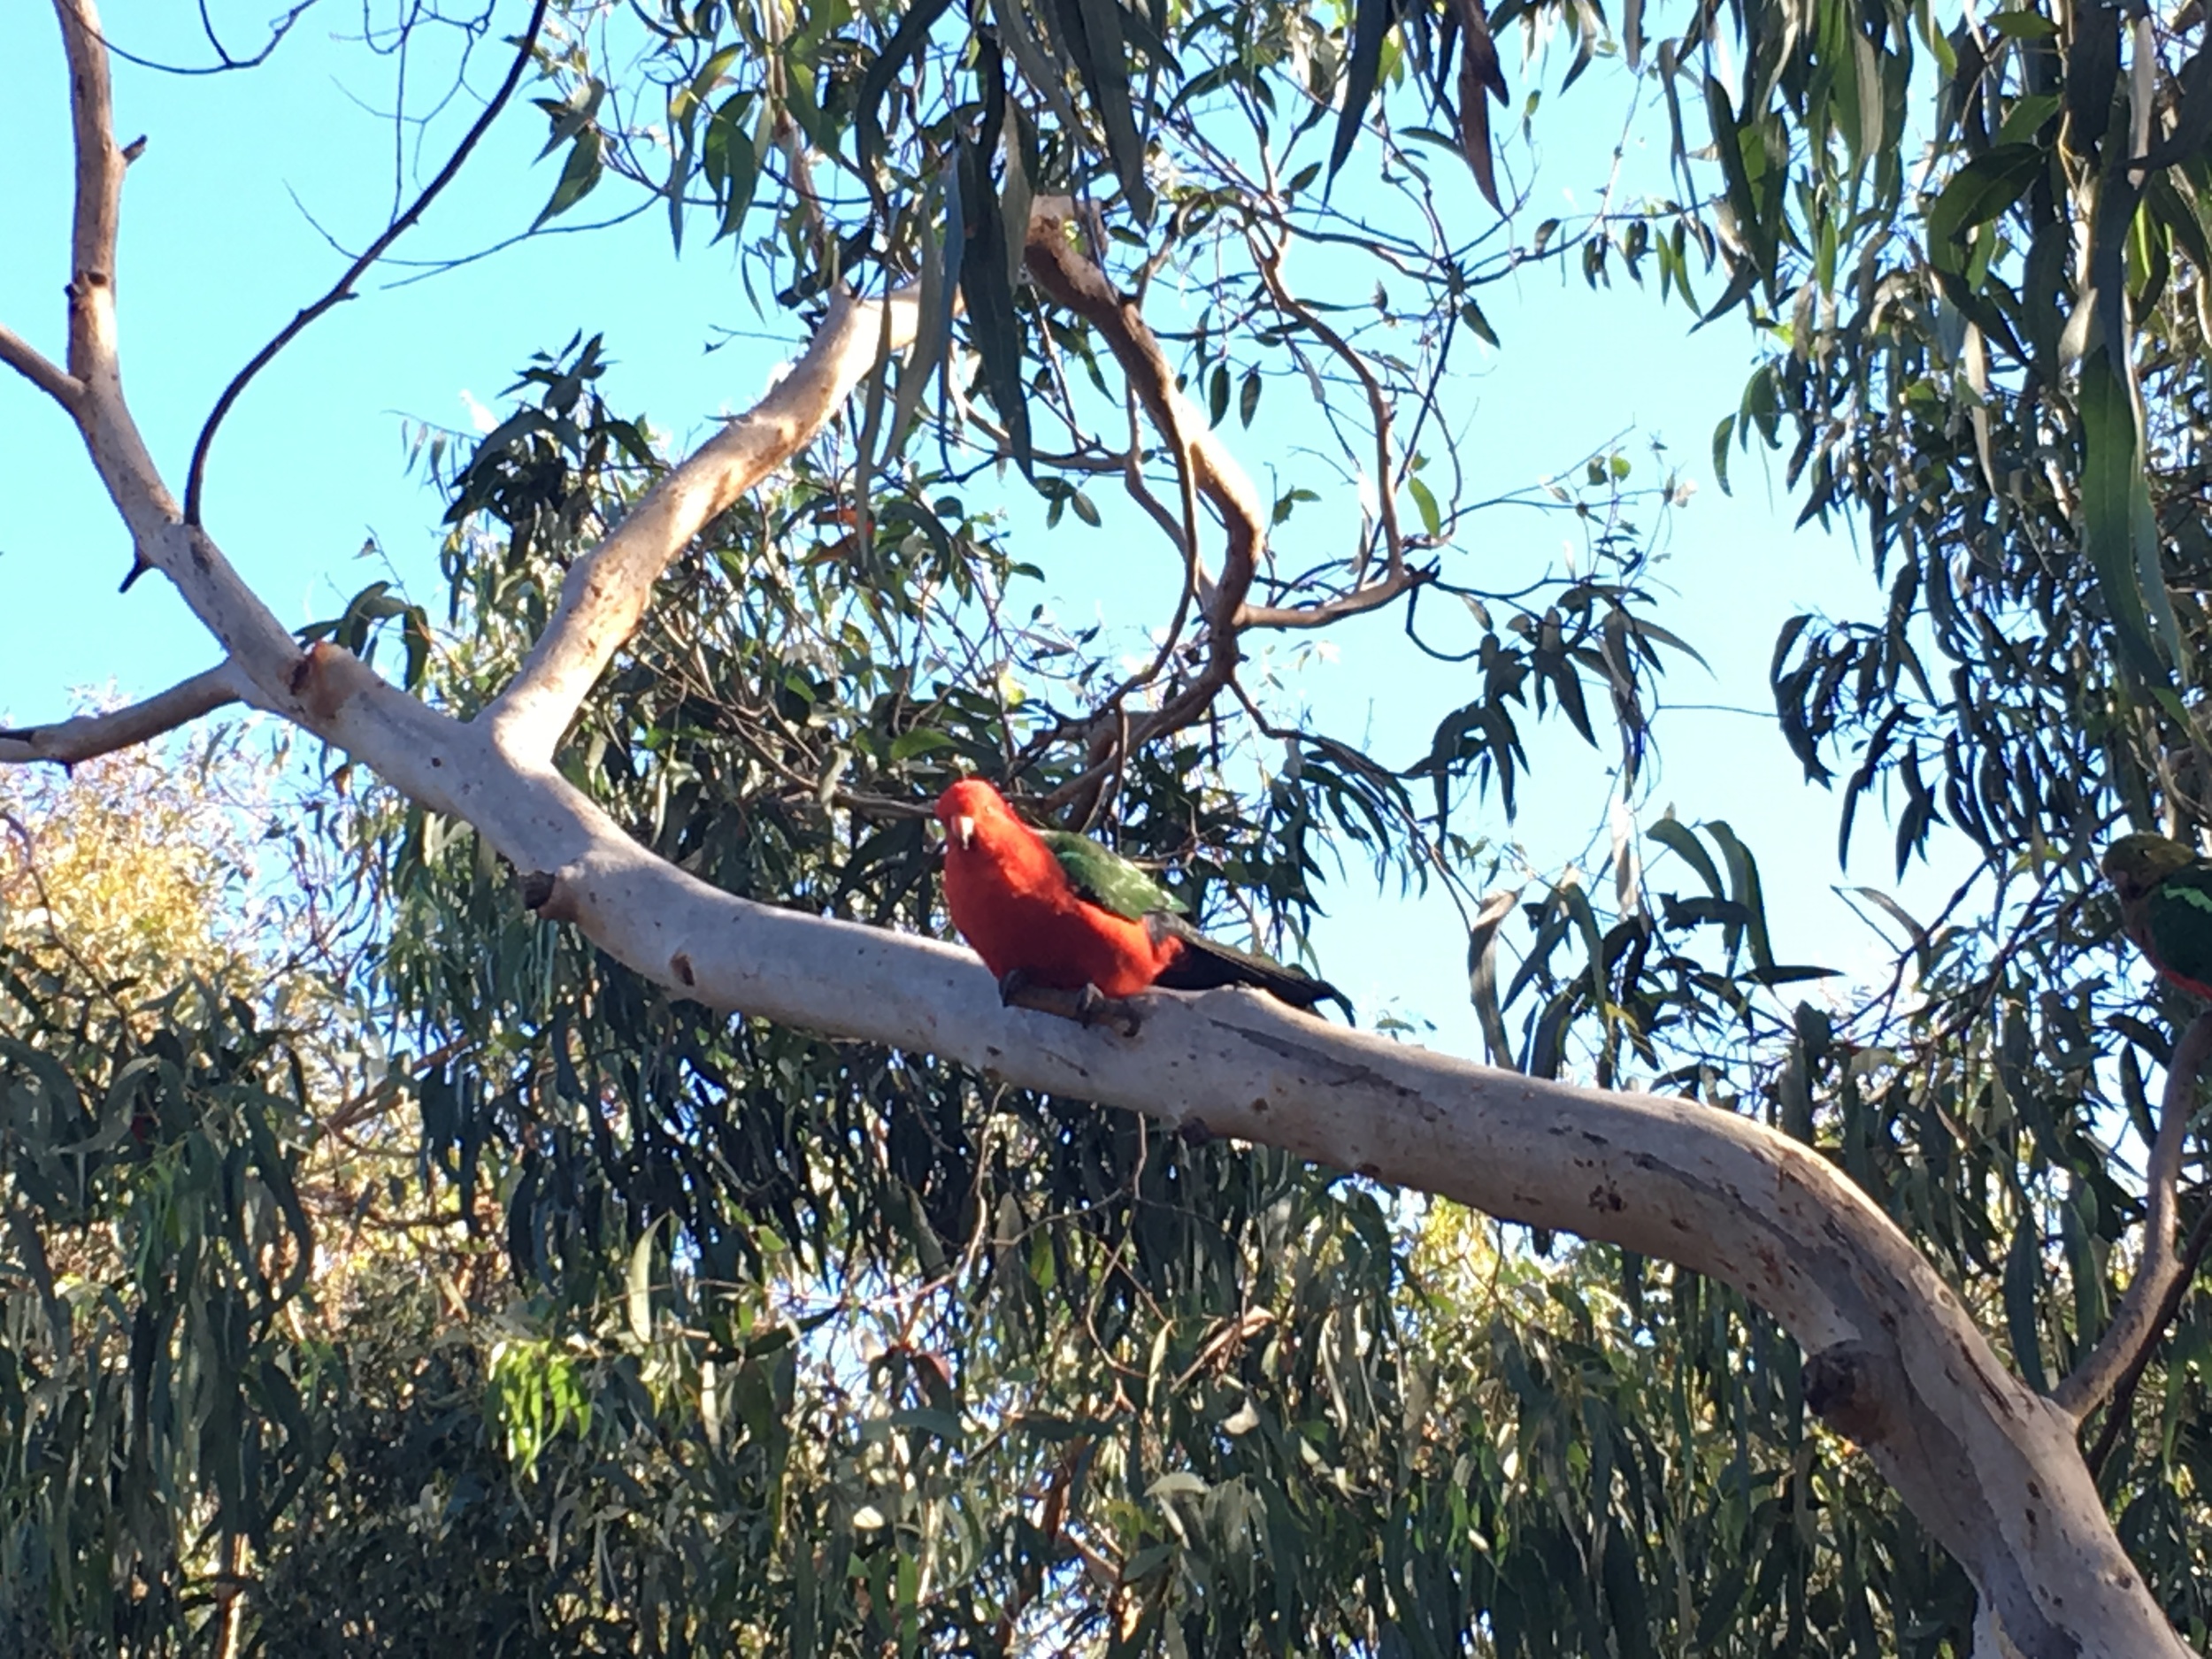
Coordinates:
1271 262
1968 1445
1373 597
39 369
99 201
259 647
225 62
1206 467
2140 1323
2115 1416
1897 1360
606 591
342 289
1071 278
89 736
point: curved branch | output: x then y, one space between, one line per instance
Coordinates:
1269 261
2123 1395
89 736
1071 279
2138 1323
1206 467
342 289
1372 597
225 64
606 592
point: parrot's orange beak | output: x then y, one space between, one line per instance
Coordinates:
964 831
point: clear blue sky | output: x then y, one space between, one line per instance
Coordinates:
217 255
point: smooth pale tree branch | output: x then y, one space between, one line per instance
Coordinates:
605 595
40 370
1989 1467
2137 1325
90 735
251 637
99 200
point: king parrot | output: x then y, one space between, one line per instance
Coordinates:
1048 907
2165 893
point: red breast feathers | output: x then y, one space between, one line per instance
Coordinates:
1014 904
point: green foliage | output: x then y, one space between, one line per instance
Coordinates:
817 1349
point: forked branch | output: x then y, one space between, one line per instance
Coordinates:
2138 1322
605 595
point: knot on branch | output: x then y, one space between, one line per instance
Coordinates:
540 888
1850 1386
325 678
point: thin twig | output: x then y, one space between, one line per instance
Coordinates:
343 288
279 28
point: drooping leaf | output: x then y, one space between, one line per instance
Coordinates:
1372 21
1480 77
993 323
2117 536
1978 192
579 175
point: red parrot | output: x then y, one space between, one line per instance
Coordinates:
1057 910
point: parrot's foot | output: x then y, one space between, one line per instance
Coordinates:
1085 1006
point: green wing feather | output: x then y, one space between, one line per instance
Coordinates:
1108 879
2177 915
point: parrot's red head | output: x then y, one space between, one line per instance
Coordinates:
966 804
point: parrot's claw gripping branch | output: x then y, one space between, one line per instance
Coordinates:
1087 1006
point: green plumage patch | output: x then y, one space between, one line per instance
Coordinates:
1106 878
2177 915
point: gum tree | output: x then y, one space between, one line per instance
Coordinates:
957 1325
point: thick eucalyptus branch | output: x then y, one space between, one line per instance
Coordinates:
89 736
1989 1467
2137 1323
605 595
